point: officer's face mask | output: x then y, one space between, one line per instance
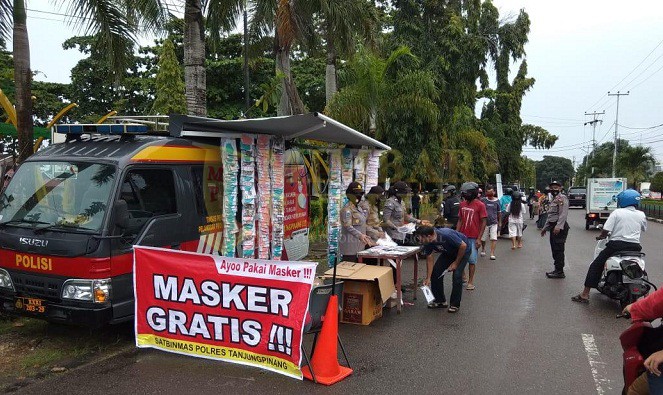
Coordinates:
554 192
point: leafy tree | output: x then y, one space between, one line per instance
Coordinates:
49 99
554 168
97 91
392 100
114 23
458 41
635 163
169 84
657 183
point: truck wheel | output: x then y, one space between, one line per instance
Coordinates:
586 225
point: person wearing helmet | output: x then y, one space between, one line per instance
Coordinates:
624 226
451 206
472 223
371 206
353 225
394 215
559 229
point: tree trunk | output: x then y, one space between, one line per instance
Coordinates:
290 103
330 70
195 79
284 36
23 81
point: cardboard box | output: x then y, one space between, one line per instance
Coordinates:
365 289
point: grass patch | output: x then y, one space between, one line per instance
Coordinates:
31 348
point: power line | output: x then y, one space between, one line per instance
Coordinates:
627 75
648 127
651 75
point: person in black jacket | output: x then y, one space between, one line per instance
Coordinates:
451 206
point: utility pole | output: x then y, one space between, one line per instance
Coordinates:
614 152
593 123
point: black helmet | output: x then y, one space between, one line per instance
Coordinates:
508 191
401 187
376 190
450 189
354 188
516 195
469 190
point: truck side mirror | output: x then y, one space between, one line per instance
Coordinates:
121 212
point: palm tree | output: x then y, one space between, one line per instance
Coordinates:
635 163
113 22
378 88
343 23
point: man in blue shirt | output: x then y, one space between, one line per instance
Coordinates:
454 251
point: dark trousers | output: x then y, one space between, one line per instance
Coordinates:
596 267
531 211
415 211
437 284
557 245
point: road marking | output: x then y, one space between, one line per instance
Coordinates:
599 371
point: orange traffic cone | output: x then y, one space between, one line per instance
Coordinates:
324 362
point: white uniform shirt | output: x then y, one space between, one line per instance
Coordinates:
625 224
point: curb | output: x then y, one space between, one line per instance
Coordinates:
660 221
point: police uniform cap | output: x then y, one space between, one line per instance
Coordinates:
355 188
555 183
401 187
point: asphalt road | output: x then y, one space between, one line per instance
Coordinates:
517 333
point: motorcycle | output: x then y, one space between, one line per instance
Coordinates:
639 340
615 283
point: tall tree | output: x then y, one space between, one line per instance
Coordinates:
169 84
113 22
393 100
194 57
635 163
553 168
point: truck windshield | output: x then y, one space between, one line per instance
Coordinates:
58 194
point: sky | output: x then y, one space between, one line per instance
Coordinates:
577 52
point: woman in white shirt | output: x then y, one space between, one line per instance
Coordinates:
516 211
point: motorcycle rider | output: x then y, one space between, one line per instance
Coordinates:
624 226
648 309
451 206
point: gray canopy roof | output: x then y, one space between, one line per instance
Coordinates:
312 126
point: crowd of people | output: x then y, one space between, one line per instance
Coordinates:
469 225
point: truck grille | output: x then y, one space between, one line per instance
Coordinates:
39 286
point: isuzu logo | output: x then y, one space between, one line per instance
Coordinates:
33 242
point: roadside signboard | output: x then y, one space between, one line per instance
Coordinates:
244 311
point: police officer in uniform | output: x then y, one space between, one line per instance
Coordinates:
371 206
353 225
451 206
394 213
559 229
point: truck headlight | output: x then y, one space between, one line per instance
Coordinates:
97 291
6 280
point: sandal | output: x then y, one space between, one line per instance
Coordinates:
437 305
453 309
470 287
578 298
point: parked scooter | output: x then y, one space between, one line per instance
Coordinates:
615 283
640 339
